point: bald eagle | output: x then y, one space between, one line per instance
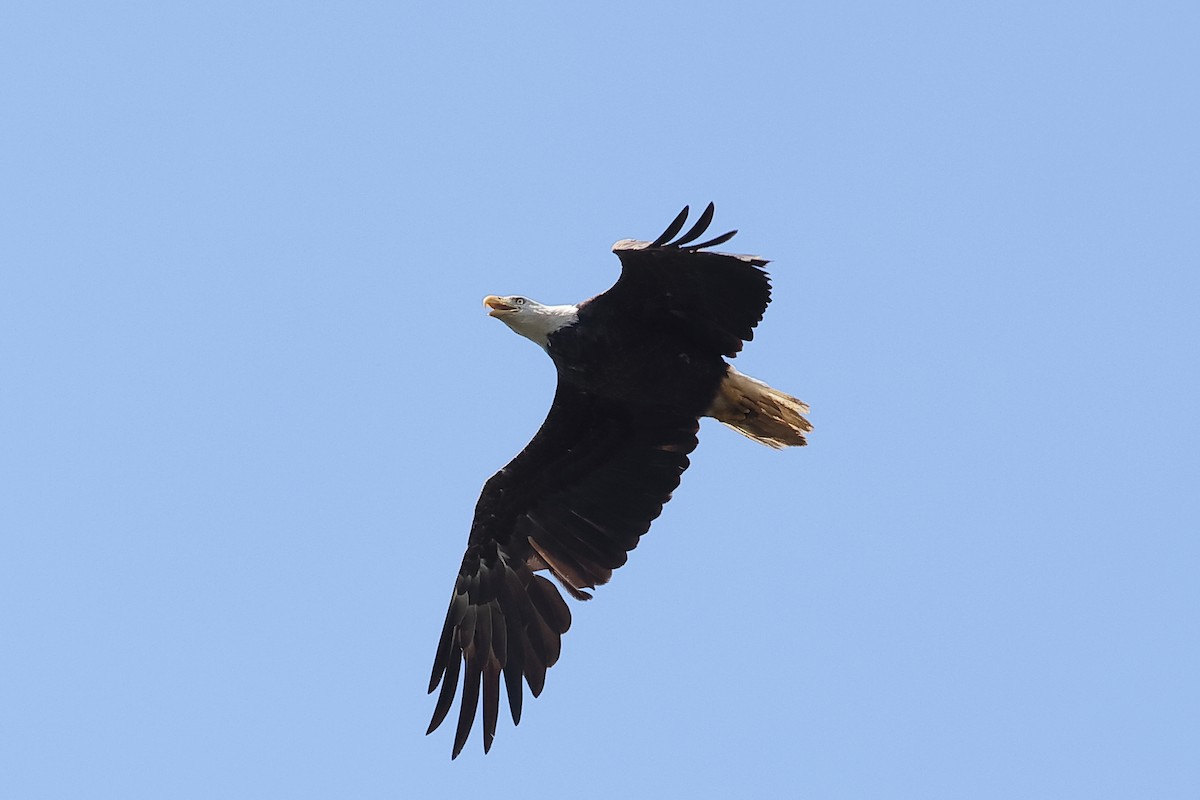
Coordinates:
637 367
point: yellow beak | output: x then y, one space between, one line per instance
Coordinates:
497 306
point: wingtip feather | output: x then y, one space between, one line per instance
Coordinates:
698 229
672 229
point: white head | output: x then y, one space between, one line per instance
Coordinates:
530 318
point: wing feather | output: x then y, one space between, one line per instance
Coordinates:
470 703
672 229
698 229
449 687
491 703
716 240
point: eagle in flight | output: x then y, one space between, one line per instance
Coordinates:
638 365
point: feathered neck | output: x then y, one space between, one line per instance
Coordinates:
538 322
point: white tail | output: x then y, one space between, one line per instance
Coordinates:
753 409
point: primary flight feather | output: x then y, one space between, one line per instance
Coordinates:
638 365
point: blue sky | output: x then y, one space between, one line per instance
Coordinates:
249 394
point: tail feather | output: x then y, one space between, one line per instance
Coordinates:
754 409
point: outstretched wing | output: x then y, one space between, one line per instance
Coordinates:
574 501
717 298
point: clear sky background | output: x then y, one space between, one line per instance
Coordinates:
248 394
